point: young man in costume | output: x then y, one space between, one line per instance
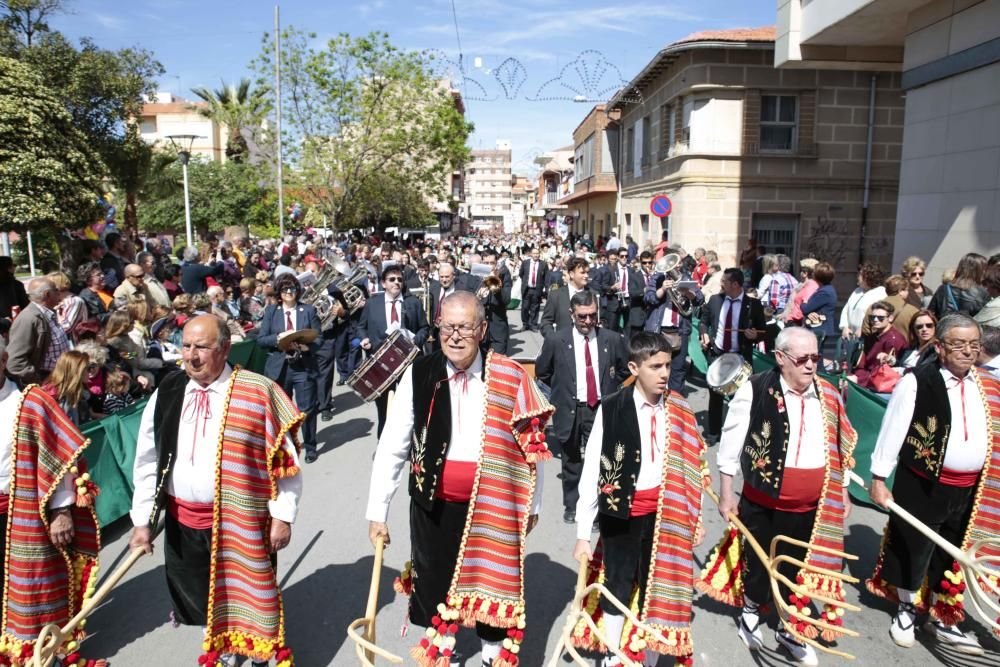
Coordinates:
471 429
940 435
642 481
217 450
787 433
47 518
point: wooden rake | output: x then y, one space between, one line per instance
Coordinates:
577 612
52 637
365 643
790 615
980 582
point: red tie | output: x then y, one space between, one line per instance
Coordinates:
288 320
395 313
591 378
437 308
624 282
653 444
727 339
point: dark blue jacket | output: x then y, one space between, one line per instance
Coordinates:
655 316
273 323
823 301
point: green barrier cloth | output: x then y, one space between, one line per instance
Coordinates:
695 353
111 454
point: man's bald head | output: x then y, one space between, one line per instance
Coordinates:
205 348
212 324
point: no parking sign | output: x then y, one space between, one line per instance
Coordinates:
660 206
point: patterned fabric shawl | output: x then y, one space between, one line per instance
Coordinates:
44 584
722 577
667 605
488 583
983 524
245 612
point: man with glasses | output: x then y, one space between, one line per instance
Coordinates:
36 341
391 310
133 285
472 430
939 435
599 362
883 344
788 435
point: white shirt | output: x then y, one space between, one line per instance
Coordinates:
853 314
720 328
807 452
532 273
393 449
964 454
10 396
284 318
390 325
650 454
572 290
993 366
581 363
192 478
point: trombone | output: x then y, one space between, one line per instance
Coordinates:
667 265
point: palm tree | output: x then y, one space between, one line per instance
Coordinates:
238 108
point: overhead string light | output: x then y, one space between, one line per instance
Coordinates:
590 77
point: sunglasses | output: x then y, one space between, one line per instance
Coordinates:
877 318
800 361
585 316
923 326
394 279
647 263
916 273
289 290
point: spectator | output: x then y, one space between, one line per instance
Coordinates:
94 294
36 339
989 315
922 338
807 287
817 311
161 260
701 266
883 345
964 293
116 333
852 317
172 281
154 288
12 291
918 294
161 344
141 314
284 266
97 356
116 393
219 308
134 285
66 386
183 308
253 264
115 260
989 355
713 280
896 296
71 311
193 274
251 300
776 286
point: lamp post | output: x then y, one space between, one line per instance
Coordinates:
182 144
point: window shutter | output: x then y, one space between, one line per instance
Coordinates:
751 122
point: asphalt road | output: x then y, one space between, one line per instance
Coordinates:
326 570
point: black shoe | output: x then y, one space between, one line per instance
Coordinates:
569 516
710 439
341 383
311 456
326 415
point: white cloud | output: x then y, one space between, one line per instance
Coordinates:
366 8
619 18
109 22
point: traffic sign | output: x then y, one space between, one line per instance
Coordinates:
660 206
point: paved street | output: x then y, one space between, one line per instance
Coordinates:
325 575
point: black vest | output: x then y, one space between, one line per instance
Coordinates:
927 438
431 429
621 454
763 458
166 422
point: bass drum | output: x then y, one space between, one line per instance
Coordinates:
727 373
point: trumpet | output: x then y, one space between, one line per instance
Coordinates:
667 265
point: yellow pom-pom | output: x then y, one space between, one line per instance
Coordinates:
441 607
520 624
960 597
516 648
507 643
70 645
806 611
430 632
74 469
85 476
840 611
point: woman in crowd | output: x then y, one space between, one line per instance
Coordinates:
989 315
807 287
94 294
139 311
817 310
883 345
918 294
895 296
71 311
251 301
172 280
66 385
97 359
116 334
964 293
922 338
852 317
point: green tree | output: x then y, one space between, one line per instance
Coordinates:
360 112
26 18
238 108
50 175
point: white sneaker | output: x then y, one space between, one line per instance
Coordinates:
951 635
901 628
801 652
611 660
749 630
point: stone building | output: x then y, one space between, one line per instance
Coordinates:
595 187
488 187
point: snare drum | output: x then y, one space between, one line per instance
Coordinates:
727 373
384 367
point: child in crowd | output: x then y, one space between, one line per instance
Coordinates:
116 392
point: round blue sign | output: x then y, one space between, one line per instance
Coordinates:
660 206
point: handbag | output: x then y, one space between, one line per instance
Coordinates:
884 379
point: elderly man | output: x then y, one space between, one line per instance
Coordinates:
52 524
471 430
217 449
939 435
154 288
217 296
193 274
788 435
134 285
36 339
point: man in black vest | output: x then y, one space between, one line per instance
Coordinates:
730 322
534 274
592 363
937 434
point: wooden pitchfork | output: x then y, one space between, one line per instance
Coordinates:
980 584
577 612
52 637
789 615
365 644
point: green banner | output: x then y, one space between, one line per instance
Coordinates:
111 454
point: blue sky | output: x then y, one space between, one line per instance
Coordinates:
201 42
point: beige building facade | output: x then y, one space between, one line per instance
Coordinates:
745 150
488 186
166 114
595 188
946 54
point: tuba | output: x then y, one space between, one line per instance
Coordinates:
667 265
336 272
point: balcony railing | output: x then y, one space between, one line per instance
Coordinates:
551 198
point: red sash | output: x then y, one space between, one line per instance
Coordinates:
957 478
457 480
800 491
193 515
644 501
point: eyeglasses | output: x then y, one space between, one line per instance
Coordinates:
962 345
877 318
463 330
801 361
585 316
644 263
394 279
916 273
929 325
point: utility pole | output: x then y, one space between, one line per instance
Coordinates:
277 91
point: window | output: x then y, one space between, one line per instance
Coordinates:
647 140
583 163
644 224
607 157
668 125
777 232
148 125
637 149
630 147
778 122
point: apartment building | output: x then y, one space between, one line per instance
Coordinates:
554 183
595 188
520 201
488 186
946 55
803 160
166 114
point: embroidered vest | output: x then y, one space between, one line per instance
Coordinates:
931 425
763 459
166 423
621 454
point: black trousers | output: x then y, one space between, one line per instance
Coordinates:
764 524
347 357
188 560
909 556
611 316
436 537
628 549
382 407
326 357
572 454
678 366
299 381
499 336
530 299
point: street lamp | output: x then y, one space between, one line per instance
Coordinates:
182 144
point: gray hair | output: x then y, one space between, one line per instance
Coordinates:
461 297
788 334
991 340
141 258
582 298
785 263
213 290
38 288
190 253
98 353
955 321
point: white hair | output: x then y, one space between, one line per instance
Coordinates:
788 334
